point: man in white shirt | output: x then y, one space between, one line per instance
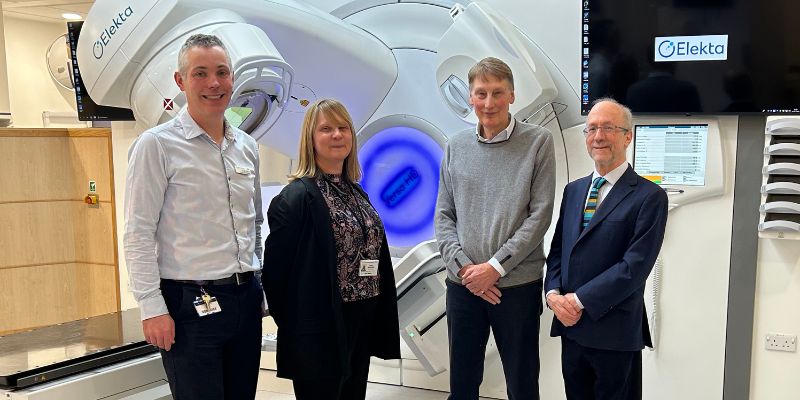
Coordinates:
192 236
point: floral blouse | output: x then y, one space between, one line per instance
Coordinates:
352 218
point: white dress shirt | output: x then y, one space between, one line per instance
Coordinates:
504 135
612 178
192 208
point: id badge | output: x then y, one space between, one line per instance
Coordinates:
205 308
368 268
243 170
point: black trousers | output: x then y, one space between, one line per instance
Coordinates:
215 357
515 324
353 386
595 374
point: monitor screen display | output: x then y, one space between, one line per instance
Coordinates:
671 154
88 110
692 57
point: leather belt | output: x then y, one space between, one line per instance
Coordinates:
238 278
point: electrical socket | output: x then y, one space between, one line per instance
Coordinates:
781 342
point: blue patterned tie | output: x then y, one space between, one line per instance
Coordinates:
591 204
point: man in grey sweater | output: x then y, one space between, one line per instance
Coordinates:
495 203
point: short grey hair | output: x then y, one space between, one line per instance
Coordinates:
199 40
627 115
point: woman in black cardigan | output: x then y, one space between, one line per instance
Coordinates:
327 272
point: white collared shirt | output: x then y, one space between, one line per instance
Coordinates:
612 178
192 208
504 135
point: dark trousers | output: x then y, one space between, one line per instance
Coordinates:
214 357
353 385
595 374
515 324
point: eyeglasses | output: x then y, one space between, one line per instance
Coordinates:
606 129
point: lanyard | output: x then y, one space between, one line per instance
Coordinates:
359 215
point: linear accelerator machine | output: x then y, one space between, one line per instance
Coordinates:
401 70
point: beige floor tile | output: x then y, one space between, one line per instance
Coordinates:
271 387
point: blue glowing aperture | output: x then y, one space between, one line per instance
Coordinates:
400 187
401 174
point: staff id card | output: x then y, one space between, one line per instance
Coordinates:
368 268
206 305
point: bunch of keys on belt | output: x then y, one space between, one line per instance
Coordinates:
205 304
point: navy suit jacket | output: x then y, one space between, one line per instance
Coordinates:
607 264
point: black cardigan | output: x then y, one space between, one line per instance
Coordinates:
302 288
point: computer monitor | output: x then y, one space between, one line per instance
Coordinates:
88 110
696 57
671 154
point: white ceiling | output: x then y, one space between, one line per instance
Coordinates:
44 10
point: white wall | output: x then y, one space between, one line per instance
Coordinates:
775 374
4 101
688 362
30 88
122 136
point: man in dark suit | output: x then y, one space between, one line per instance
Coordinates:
609 233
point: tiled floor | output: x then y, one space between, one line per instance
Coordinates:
272 388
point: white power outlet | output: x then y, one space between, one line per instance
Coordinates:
781 342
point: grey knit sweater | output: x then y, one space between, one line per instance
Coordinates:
496 200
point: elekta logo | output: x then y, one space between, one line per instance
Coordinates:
691 48
108 33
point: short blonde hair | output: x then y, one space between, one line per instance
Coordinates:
333 110
491 66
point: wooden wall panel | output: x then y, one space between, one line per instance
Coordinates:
53 294
34 168
89 161
36 233
93 233
101 288
55 132
58 257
